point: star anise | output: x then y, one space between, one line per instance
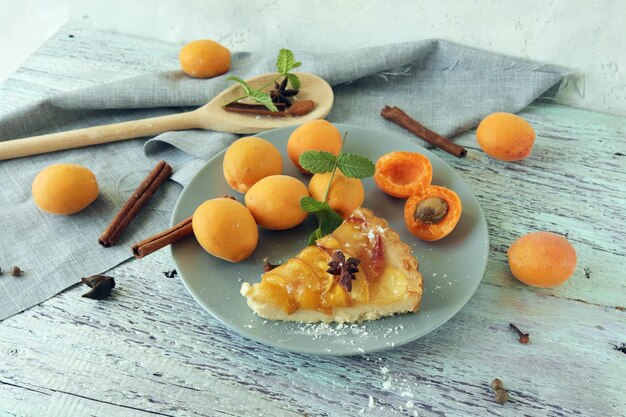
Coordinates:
280 94
345 269
101 286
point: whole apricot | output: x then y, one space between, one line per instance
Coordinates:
316 135
204 59
505 136
64 189
226 229
345 194
542 259
274 202
248 160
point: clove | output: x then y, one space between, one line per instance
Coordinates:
501 395
101 286
523 337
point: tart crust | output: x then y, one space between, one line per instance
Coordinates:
386 287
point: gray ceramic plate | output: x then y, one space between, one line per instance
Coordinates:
452 267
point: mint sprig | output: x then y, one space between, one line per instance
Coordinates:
351 165
311 205
355 166
319 162
285 63
256 95
328 218
294 81
317 234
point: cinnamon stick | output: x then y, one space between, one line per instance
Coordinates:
399 117
135 203
163 239
257 109
299 108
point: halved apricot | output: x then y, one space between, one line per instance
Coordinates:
433 213
403 174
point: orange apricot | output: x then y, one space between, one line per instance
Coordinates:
64 189
204 59
542 259
505 136
403 174
274 202
249 160
316 135
345 194
225 229
433 213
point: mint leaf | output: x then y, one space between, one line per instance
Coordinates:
246 88
317 162
317 234
263 98
286 61
294 81
311 205
329 220
355 166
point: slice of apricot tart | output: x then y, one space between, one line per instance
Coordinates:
361 271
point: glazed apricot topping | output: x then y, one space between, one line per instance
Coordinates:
433 213
403 174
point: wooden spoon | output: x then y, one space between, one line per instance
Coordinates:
211 116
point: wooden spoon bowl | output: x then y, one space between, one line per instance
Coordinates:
211 116
312 88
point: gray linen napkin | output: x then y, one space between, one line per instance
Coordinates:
446 86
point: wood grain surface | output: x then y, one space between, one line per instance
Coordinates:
151 350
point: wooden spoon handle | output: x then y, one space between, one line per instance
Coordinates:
99 134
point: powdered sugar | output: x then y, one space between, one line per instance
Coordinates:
393 384
341 330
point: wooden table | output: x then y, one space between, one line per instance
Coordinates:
151 350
